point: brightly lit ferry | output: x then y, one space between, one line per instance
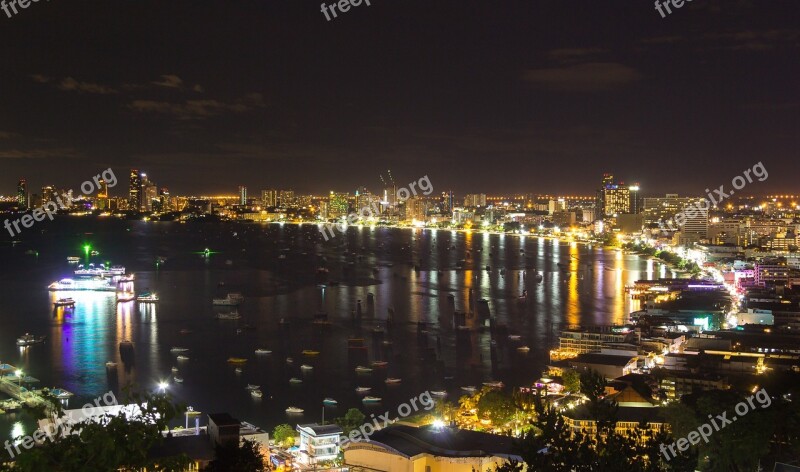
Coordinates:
93 284
99 270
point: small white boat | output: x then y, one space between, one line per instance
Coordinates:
295 380
263 351
494 384
329 401
289 360
256 393
174 370
178 379
183 358
233 315
64 302
514 337
438 393
252 387
306 367
232 299
238 370
523 349
392 380
379 363
29 339
369 399
469 388
111 364
61 394
363 389
73 259
363 370
147 298
294 409
178 349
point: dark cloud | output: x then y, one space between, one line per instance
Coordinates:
587 77
72 85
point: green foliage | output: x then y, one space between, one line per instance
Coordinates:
232 457
497 406
283 434
122 443
351 420
572 381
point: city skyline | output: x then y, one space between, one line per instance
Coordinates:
558 94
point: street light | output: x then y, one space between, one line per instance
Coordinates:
163 386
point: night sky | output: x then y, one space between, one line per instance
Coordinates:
494 96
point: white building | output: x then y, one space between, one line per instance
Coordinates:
318 443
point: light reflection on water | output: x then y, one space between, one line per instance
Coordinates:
586 288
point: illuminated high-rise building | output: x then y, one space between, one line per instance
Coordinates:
49 193
473 200
416 209
135 191
269 198
22 194
338 205
446 202
613 198
636 202
286 198
242 195
101 201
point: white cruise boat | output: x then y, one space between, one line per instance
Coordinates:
263 351
294 409
99 270
256 393
93 284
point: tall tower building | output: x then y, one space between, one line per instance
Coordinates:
48 193
135 190
338 205
269 198
102 195
636 202
242 195
22 194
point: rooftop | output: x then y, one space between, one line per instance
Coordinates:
446 442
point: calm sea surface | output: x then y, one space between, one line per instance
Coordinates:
410 273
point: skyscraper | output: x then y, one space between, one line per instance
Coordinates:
338 205
269 198
242 195
135 191
22 194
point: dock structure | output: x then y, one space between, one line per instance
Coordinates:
11 385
